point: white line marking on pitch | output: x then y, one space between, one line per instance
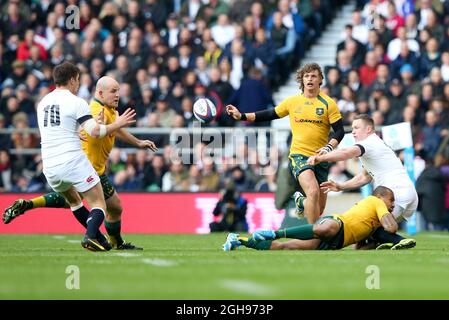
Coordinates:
159 262
74 241
127 254
59 237
439 236
248 287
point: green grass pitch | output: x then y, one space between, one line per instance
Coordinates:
195 267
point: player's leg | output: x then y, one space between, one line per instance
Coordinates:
321 173
311 244
86 181
113 219
95 199
310 185
20 206
406 202
81 213
323 201
325 228
295 244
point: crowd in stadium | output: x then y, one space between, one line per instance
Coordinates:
392 63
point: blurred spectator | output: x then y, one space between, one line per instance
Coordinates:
430 58
23 51
359 29
24 140
431 188
153 177
13 23
210 178
284 40
211 10
264 54
430 137
445 66
176 178
344 65
18 75
407 77
394 20
368 71
394 46
253 95
223 32
268 181
347 102
5 171
333 82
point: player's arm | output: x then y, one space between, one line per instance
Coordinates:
259 116
389 223
336 137
97 130
127 137
336 155
356 182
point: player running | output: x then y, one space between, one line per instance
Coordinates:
312 114
103 106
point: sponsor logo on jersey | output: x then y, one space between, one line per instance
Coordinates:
308 121
89 179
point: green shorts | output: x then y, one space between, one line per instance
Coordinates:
108 188
336 242
298 164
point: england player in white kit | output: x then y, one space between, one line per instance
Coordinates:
380 166
65 165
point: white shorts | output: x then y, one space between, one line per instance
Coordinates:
78 173
406 202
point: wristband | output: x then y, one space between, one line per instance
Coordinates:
328 148
243 117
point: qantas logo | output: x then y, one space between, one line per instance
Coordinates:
90 179
308 121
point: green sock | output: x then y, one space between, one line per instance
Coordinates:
113 229
54 200
304 232
251 243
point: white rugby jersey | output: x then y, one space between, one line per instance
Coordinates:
59 115
382 164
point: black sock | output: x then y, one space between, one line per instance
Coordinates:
114 229
383 236
81 214
96 217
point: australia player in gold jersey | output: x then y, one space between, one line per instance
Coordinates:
312 114
329 232
103 107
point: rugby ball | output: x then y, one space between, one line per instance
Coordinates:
204 110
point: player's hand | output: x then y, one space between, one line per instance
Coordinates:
330 186
144 144
82 135
313 160
100 117
233 112
326 149
126 118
